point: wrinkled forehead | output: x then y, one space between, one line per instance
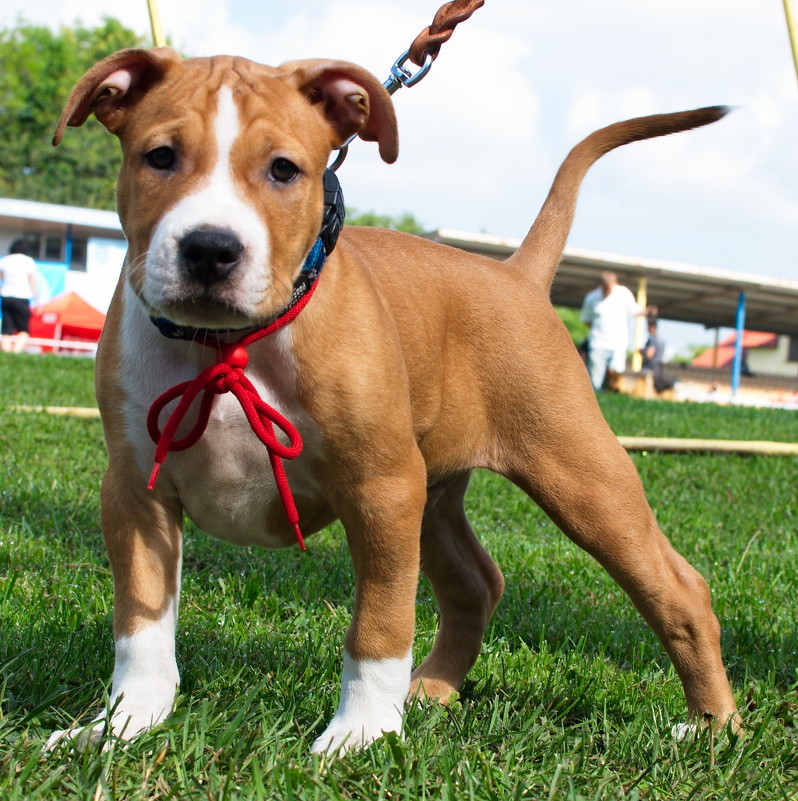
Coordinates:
267 106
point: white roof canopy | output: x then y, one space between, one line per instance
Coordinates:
682 292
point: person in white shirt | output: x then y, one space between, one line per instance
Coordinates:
17 288
607 311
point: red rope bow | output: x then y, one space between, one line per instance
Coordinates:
227 375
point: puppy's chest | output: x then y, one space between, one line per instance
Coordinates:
225 481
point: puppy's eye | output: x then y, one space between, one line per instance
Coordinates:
283 171
161 158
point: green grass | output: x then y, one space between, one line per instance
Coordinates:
572 697
698 420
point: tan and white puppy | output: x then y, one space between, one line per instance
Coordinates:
412 364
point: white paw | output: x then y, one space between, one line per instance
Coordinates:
133 713
143 687
344 735
373 693
683 730
81 737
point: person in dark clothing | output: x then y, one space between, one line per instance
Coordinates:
654 357
17 288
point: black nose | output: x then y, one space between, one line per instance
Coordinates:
210 256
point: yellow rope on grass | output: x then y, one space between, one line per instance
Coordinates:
666 444
64 411
709 446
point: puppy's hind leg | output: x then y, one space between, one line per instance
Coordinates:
467 585
573 466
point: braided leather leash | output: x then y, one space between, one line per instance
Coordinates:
429 41
422 52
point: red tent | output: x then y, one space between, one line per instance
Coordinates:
67 317
725 357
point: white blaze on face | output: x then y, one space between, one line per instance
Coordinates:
217 204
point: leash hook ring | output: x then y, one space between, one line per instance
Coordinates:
401 76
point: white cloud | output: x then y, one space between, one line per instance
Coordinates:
520 83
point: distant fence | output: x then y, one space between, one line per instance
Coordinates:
722 377
63 346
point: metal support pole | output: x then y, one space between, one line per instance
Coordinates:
640 322
68 246
792 32
737 365
155 23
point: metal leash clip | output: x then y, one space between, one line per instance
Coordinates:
425 48
401 76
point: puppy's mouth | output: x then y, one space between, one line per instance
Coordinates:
208 279
202 312
214 308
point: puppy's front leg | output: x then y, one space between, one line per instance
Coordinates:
383 527
142 532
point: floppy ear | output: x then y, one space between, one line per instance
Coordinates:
351 99
112 86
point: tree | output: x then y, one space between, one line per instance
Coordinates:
39 69
693 352
405 222
573 322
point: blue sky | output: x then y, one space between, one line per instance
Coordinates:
523 81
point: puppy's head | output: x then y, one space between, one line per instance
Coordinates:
220 191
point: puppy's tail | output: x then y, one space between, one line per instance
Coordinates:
541 250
